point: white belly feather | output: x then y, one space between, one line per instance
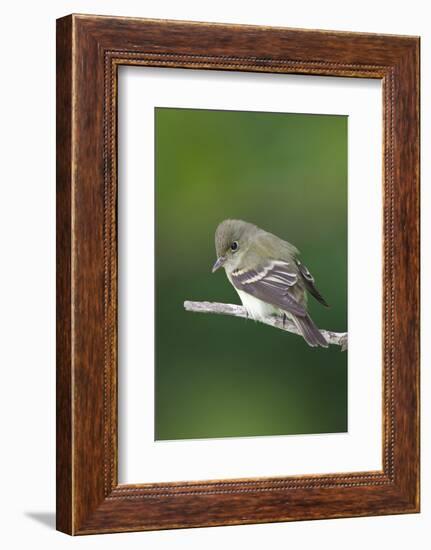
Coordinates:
256 309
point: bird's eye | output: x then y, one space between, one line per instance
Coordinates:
234 246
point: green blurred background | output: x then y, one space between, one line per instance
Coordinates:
219 376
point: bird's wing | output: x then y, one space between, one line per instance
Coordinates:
308 279
271 283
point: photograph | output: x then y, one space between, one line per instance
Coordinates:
213 322
251 273
237 272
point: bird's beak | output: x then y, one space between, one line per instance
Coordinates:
220 261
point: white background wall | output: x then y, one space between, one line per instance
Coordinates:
27 280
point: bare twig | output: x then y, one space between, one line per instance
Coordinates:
336 338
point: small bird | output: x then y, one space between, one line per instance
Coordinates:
267 275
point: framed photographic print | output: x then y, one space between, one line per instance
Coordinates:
237 274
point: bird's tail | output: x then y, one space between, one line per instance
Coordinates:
310 332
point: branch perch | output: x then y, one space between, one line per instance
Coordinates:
335 338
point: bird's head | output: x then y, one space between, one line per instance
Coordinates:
232 238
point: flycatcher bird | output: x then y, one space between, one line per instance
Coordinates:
267 275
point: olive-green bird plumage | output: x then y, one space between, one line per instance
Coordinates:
268 276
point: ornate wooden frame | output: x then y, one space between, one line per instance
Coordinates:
89 51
